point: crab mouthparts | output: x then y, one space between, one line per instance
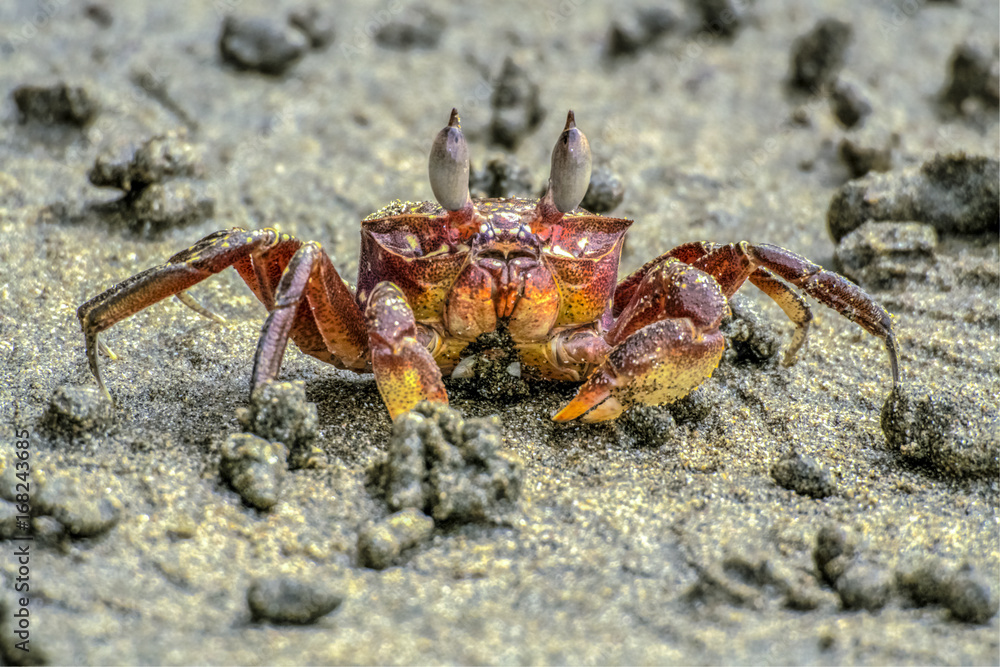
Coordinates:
505 244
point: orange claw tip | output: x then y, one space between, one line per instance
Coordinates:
455 121
595 392
570 412
609 409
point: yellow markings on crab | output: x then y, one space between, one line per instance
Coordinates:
443 250
582 243
561 252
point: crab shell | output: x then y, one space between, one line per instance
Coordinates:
496 262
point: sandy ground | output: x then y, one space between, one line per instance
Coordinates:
638 542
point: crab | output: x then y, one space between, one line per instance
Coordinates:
435 277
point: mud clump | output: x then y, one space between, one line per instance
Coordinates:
883 254
279 412
926 582
316 24
254 468
381 544
81 510
491 369
418 28
957 194
449 468
803 475
645 426
501 176
59 104
833 552
858 583
158 182
864 586
921 582
75 410
168 205
973 76
849 102
933 581
161 158
517 107
970 599
261 45
605 192
750 337
633 33
818 56
291 601
755 579
954 434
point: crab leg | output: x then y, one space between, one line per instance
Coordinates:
404 368
732 264
795 307
260 257
314 308
666 342
771 269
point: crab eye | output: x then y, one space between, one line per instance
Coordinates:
570 175
449 166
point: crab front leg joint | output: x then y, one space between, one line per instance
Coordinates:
405 371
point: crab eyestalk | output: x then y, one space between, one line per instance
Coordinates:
571 163
449 166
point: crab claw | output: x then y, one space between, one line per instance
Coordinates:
658 364
405 371
666 342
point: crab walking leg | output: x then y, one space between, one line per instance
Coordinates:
404 368
206 258
331 329
666 342
795 307
732 264
314 308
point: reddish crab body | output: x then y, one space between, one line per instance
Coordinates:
434 277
